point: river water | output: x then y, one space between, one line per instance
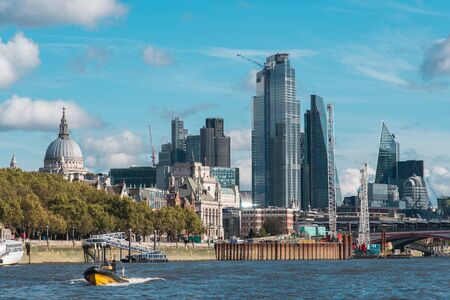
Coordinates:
421 278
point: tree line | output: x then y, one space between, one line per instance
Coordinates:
31 201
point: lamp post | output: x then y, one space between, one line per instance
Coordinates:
73 236
48 243
129 245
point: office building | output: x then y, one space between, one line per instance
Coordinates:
388 156
165 155
179 134
193 148
444 206
415 193
215 148
276 157
315 161
410 168
383 195
227 177
254 218
134 176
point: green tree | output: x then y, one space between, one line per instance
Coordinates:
273 226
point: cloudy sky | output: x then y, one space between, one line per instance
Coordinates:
121 65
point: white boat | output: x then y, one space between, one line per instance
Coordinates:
11 251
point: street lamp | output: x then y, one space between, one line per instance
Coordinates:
47 238
73 236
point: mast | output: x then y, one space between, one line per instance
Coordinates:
331 175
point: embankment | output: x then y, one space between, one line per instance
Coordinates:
68 252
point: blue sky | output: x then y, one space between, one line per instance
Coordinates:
121 65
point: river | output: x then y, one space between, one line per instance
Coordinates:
420 278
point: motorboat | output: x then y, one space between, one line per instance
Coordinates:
104 273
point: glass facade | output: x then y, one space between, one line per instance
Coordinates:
276 172
134 176
388 157
193 148
227 177
178 141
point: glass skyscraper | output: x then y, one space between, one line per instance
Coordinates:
388 156
315 160
179 134
276 157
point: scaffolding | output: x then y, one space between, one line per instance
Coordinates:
364 226
331 175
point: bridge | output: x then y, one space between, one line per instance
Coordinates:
402 238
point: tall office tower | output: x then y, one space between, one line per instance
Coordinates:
193 148
276 157
215 148
178 141
388 157
165 155
408 168
315 161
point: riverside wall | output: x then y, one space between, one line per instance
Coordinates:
70 252
275 250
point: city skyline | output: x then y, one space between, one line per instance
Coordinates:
116 78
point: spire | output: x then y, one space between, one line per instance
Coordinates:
13 164
63 126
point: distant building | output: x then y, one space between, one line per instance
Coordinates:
415 193
215 149
254 218
276 157
383 195
315 158
193 148
63 155
165 155
231 222
410 168
162 175
444 205
350 201
246 199
13 164
154 197
179 134
227 177
388 157
134 176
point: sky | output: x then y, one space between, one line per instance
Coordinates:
121 65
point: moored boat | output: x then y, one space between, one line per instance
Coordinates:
11 251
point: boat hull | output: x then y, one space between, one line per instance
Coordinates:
97 276
11 258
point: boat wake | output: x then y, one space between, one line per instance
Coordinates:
135 281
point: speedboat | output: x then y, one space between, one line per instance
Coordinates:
105 273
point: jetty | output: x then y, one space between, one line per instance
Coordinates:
97 246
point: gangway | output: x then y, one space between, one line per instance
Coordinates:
118 240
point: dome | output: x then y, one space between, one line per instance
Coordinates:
63 147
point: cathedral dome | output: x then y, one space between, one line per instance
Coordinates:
63 147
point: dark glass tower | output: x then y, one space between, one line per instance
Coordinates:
276 157
315 162
388 156
178 141
215 147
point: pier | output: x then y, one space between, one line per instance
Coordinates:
280 250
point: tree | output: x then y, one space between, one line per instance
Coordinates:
262 232
251 233
273 226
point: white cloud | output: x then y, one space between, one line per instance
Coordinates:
35 13
437 60
26 114
349 181
222 52
157 57
92 57
439 179
241 139
18 56
120 150
249 82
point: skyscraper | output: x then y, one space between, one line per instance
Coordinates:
276 157
165 155
315 161
214 145
388 156
178 141
193 148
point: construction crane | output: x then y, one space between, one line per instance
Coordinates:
332 218
364 227
251 60
153 152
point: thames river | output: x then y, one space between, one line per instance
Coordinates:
420 278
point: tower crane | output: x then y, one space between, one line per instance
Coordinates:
364 225
332 218
153 152
251 60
